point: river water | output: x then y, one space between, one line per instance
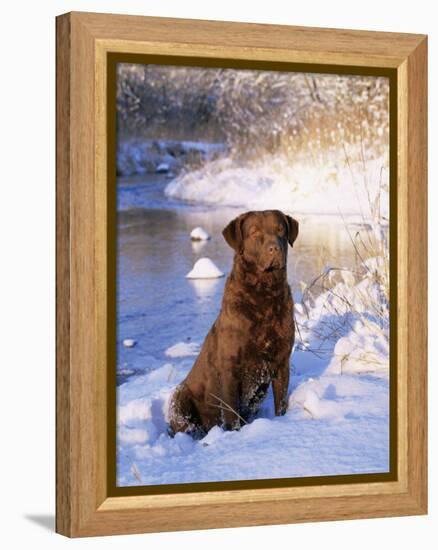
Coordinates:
156 305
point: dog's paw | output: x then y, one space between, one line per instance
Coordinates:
228 427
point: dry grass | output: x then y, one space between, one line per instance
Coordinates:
224 406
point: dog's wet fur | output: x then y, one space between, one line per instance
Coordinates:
249 345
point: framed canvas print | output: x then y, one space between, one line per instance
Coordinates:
241 274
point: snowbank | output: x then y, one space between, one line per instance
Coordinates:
306 188
352 317
338 398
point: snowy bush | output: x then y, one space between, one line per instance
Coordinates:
345 312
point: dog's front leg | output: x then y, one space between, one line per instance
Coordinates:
280 386
230 403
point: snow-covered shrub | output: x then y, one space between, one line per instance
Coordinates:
345 312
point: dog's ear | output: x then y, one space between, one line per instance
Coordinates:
233 233
292 229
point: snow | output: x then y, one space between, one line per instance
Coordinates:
162 167
199 234
183 349
356 313
337 421
204 268
288 185
340 397
334 425
129 342
363 350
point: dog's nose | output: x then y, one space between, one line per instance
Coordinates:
273 248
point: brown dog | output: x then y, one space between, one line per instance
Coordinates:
250 343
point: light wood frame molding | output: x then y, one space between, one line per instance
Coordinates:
83 505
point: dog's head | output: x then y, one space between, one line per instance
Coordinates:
262 238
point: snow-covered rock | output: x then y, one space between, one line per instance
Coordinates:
129 342
162 168
204 268
199 234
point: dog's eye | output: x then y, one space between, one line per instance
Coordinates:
280 229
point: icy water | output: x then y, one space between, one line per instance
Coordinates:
156 305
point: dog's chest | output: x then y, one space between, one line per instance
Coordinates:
269 342
268 332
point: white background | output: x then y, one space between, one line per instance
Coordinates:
27 286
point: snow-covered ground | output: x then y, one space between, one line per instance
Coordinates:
303 187
337 418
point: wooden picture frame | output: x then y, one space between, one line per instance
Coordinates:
85 504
